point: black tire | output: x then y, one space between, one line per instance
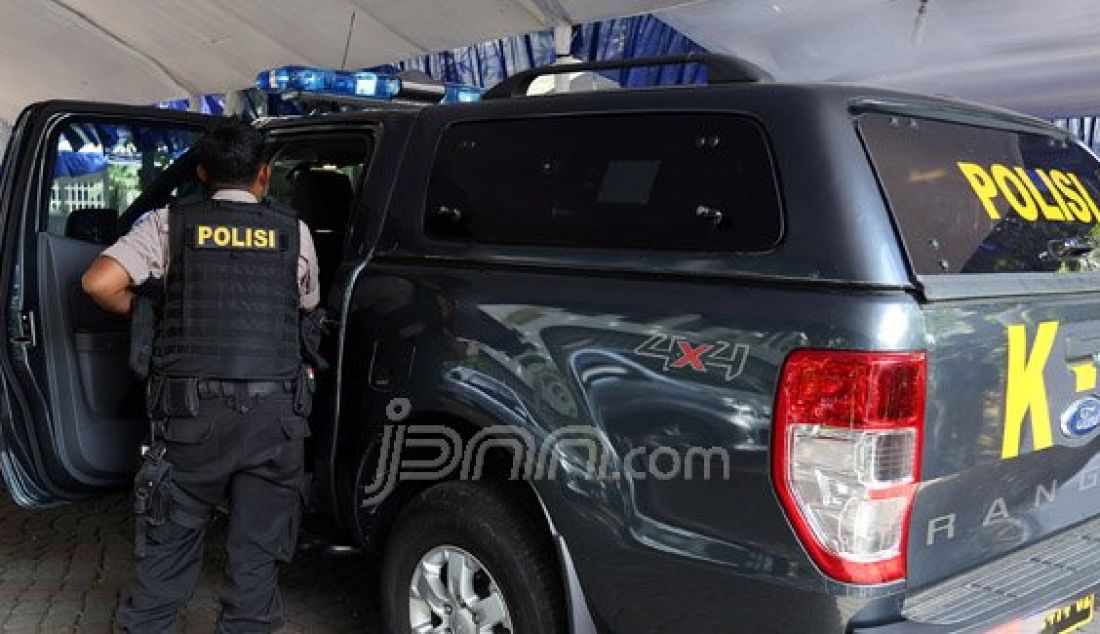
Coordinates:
489 521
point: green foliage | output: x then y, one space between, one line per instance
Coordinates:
123 185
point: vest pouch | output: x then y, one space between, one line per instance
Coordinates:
179 398
148 298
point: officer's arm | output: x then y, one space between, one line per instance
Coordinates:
108 284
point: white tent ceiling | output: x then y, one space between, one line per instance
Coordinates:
1042 58
1038 57
141 51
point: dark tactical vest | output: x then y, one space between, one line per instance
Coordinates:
231 293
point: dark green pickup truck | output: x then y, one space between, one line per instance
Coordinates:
741 357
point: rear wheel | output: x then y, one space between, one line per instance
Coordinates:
468 558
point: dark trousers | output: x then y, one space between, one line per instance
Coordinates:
251 452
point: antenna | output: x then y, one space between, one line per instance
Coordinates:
919 23
347 43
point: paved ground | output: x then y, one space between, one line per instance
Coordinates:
62 570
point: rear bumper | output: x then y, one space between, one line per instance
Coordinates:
1054 615
1050 586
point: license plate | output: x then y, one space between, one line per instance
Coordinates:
1070 617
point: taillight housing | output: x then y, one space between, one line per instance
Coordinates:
846 457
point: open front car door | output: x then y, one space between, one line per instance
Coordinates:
75 177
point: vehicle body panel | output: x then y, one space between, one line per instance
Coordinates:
697 532
1010 432
993 505
596 357
547 341
555 358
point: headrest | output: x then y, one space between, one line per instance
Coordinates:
323 199
92 225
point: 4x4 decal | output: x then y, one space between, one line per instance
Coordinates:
680 353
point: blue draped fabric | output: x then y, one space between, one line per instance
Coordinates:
70 164
484 64
488 63
640 36
211 104
1087 129
106 136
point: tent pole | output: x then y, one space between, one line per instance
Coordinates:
234 103
563 43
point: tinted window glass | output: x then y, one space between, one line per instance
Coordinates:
685 182
319 176
978 200
295 160
100 168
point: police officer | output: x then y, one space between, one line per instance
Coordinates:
225 387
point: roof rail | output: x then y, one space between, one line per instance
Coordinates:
722 69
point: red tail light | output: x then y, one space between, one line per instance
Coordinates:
846 457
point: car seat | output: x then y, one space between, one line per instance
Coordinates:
92 225
323 200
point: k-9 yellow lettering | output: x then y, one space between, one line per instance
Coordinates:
1047 194
210 236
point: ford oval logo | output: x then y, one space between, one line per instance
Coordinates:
1081 418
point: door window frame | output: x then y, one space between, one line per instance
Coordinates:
44 178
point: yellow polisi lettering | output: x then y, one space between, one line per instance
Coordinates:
1015 192
238 240
213 237
983 186
1073 201
1086 196
1059 200
1049 211
1033 193
1025 390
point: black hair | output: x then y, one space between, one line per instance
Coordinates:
231 152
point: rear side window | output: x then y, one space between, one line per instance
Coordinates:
656 181
968 199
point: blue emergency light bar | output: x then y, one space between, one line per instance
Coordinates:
361 84
457 93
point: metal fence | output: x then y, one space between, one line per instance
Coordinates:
79 192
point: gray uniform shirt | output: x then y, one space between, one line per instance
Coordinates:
143 252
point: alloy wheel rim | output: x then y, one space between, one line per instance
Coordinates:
452 592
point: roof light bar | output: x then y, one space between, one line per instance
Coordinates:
361 84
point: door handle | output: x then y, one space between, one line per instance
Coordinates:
454 214
715 216
23 330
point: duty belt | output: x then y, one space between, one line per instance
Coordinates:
211 388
